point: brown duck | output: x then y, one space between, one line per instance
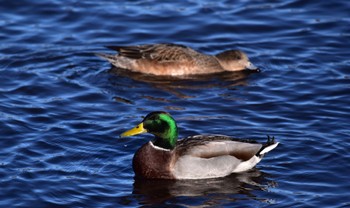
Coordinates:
175 60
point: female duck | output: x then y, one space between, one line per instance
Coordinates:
175 60
194 157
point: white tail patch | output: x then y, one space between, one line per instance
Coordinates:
268 148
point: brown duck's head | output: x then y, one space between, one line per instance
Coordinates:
161 125
235 60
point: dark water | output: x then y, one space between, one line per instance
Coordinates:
62 108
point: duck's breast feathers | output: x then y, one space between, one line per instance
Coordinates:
217 145
151 161
161 53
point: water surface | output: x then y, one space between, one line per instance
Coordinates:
62 108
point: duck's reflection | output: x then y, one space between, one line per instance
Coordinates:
176 85
232 187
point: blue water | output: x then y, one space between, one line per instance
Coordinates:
62 108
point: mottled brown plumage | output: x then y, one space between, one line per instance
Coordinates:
175 60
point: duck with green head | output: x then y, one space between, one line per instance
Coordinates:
194 157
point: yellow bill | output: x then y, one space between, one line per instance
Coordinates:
137 130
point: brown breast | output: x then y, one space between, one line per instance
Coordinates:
150 162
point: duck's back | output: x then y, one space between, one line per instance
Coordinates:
163 59
215 156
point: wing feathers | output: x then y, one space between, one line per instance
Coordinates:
217 145
157 52
240 150
133 52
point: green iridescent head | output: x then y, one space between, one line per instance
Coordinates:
161 125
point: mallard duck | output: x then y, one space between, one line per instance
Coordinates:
194 157
175 60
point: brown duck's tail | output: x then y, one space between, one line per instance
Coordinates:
133 52
106 56
268 146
